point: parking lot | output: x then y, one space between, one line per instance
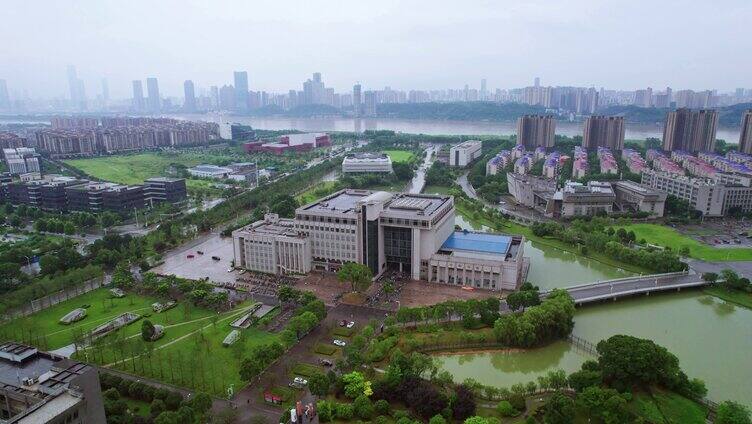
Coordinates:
726 233
177 262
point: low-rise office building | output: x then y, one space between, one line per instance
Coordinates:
465 153
410 233
290 142
631 196
38 387
714 196
21 160
359 163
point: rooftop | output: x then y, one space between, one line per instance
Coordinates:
421 204
478 242
342 201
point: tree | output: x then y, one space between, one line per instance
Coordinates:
201 403
318 384
122 276
730 412
579 380
358 275
326 410
710 277
463 403
559 409
627 360
168 417
505 409
437 419
355 385
363 407
147 330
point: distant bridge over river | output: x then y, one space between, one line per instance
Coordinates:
630 286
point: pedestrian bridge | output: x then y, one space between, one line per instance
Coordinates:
630 286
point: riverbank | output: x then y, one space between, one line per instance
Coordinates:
736 297
662 235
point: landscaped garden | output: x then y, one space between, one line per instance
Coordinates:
662 235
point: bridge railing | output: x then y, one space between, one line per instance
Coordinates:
618 280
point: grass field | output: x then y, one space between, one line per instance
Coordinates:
740 298
667 236
667 407
190 354
400 155
318 191
436 189
131 169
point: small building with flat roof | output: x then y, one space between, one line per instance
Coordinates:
359 163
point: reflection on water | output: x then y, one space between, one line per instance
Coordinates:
503 369
711 338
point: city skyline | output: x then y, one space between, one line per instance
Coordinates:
386 45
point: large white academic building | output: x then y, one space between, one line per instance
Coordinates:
412 233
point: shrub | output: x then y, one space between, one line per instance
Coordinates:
382 407
325 349
326 410
506 409
345 411
363 407
437 419
517 401
380 420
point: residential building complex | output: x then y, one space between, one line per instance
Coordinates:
122 134
635 163
21 160
690 130
603 131
607 161
536 130
9 140
290 142
410 233
465 153
580 166
40 387
552 165
499 163
358 163
523 164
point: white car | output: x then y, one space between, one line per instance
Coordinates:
230 270
300 380
339 342
351 324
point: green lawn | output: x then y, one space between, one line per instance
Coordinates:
132 169
400 155
190 353
667 236
307 370
738 297
138 407
431 189
322 189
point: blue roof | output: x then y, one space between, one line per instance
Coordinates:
478 242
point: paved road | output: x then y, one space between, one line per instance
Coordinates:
524 215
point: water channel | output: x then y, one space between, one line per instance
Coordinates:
711 338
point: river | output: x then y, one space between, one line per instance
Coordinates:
711 338
431 126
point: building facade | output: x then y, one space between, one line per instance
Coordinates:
465 153
367 163
603 131
536 131
745 134
690 130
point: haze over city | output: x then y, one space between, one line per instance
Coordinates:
416 45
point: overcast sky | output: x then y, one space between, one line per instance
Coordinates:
403 44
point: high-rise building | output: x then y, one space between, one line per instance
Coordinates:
190 96
227 97
603 131
138 96
241 90
357 102
76 88
536 131
369 102
644 98
105 91
483 90
4 97
745 135
690 130
153 100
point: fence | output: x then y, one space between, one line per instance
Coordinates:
435 347
583 345
52 299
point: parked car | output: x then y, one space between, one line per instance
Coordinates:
351 324
339 343
326 362
199 252
216 258
230 270
300 380
343 323
190 256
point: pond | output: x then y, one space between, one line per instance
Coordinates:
712 339
551 267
